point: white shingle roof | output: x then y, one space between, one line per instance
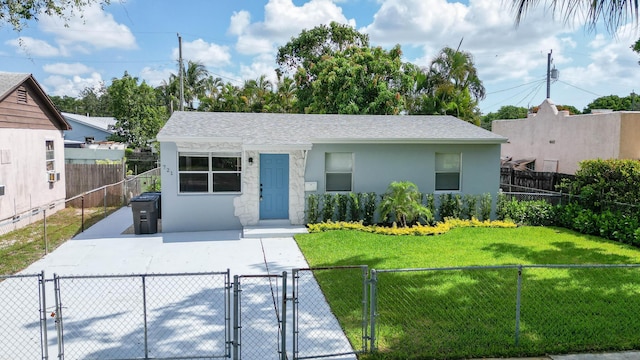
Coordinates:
98 122
306 129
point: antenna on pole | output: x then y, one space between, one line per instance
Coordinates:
180 72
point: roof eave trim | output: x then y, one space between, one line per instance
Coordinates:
197 139
410 141
277 147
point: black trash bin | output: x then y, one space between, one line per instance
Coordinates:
159 201
145 214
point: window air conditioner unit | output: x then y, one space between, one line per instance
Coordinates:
52 177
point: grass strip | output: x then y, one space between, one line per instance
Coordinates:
21 247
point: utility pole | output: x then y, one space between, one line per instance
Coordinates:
549 74
180 71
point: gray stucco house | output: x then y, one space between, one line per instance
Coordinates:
228 170
88 129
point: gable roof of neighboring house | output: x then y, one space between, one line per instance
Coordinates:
103 123
303 130
9 82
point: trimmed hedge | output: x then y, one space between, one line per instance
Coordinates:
420 230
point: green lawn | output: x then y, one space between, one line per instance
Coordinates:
462 313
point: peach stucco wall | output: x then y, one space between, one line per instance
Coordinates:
552 136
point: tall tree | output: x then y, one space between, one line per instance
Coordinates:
94 101
504 113
18 12
195 82
358 81
615 102
450 86
135 107
302 53
612 12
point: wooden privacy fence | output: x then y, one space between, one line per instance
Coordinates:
82 178
531 179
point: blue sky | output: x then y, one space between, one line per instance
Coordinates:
238 40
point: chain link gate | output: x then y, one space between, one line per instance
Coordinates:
22 299
259 323
159 316
316 330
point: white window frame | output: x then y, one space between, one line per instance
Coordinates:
447 171
50 159
210 172
331 171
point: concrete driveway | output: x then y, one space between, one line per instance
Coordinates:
92 329
104 249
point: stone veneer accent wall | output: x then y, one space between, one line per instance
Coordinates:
247 205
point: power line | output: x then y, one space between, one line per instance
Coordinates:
573 86
536 86
515 87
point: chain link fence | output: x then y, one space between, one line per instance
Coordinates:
23 317
166 316
82 208
336 312
505 311
259 325
317 331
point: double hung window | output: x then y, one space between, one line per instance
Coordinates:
338 171
50 156
448 169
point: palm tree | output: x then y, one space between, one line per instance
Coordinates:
286 95
612 12
404 202
452 85
195 82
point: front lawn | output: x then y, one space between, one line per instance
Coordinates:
465 313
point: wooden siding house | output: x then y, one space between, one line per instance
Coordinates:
31 151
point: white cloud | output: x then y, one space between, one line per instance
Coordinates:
34 47
154 77
61 85
67 69
95 28
209 54
239 22
486 28
282 20
261 65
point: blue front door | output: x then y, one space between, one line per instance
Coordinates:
274 186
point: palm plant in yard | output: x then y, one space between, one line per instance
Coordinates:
404 202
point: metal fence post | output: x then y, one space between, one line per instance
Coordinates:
105 201
365 323
46 243
283 317
58 316
518 302
43 318
373 283
227 315
294 306
82 226
144 311
236 317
